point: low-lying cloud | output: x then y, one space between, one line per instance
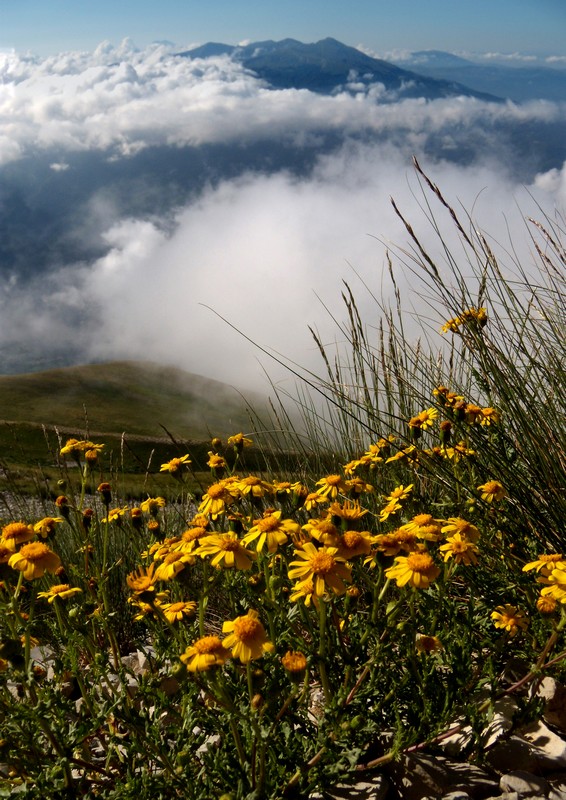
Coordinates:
265 249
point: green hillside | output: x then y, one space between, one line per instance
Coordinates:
133 397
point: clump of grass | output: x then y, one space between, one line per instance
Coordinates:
284 628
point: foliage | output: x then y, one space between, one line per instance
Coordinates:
280 632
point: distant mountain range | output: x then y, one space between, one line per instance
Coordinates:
328 66
518 83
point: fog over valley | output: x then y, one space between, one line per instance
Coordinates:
146 193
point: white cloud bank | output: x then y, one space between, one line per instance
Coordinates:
126 100
256 249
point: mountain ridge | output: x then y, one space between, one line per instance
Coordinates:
328 66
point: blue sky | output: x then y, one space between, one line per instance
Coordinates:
527 26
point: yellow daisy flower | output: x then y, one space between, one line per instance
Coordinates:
294 662
246 638
16 533
416 569
152 505
226 551
331 486
492 490
34 560
62 590
176 465
460 549
354 543
427 644
47 526
509 618
323 566
205 653
272 531
217 498
175 612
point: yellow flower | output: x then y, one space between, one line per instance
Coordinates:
304 590
215 462
62 590
409 453
173 563
216 499
152 505
400 493
392 507
544 564
16 533
227 551
391 543
247 638
142 580
546 605
312 500
424 419
176 611
427 644
354 543
271 530
458 452
457 525
509 618
323 566
489 415
34 560
476 317
460 549
205 653
5 554
294 662
46 526
423 526
331 485
116 514
238 441
323 530
356 486
492 490
176 465
254 486
349 511
416 569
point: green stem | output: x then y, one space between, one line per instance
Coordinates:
322 652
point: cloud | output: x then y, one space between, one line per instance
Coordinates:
268 253
265 249
121 101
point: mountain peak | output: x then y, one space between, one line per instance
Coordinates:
329 66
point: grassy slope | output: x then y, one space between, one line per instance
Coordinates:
131 397
135 398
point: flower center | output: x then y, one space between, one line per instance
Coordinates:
34 551
208 644
322 563
15 529
268 524
352 539
423 519
419 562
229 544
247 628
215 491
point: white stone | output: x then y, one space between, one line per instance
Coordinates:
524 783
